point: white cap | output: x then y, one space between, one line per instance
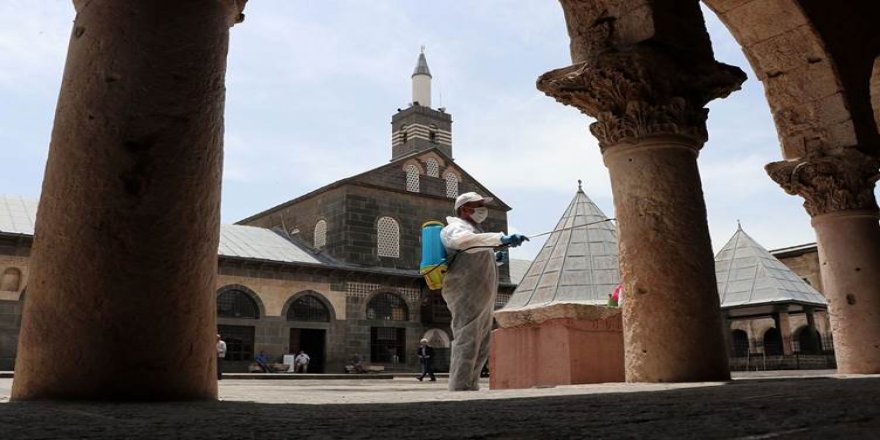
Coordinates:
424 341
469 197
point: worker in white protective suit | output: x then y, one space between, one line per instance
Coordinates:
470 287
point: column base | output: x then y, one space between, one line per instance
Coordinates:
558 351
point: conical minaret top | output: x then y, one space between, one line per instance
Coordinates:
419 127
421 82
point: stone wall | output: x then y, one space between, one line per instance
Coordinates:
806 266
11 302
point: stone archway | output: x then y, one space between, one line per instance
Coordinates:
645 71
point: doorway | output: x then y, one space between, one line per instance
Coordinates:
313 342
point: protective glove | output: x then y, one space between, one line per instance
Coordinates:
514 240
499 256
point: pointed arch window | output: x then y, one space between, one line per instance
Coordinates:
433 168
387 307
308 308
388 237
234 303
412 178
451 185
320 234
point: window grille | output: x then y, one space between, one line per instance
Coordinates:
433 168
501 300
451 185
772 342
320 234
239 341
412 178
308 308
387 307
388 237
740 343
236 304
387 344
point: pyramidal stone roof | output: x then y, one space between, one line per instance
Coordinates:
748 274
578 263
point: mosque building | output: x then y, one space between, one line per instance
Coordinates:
333 272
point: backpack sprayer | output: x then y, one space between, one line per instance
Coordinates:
435 263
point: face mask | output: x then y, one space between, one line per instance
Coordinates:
480 214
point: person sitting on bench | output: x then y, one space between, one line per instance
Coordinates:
263 362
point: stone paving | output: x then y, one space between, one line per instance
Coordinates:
802 405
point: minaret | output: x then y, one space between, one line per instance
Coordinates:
419 127
421 82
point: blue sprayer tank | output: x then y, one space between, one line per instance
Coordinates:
433 266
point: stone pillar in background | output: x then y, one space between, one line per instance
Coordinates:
645 71
121 293
783 324
838 188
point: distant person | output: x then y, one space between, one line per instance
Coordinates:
301 362
426 358
263 362
221 354
615 299
356 366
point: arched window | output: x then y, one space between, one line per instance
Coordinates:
412 178
320 234
308 308
433 168
11 280
387 307
740 343
451 185
772 342
388 237
234 303
808 342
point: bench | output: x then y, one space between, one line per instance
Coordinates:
366 368
276 368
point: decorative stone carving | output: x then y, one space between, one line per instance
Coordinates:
642 92
640 70
841 179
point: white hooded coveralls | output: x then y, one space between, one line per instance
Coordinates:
469 288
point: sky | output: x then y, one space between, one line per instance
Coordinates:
312 86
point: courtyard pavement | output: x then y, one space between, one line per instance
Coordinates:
788 405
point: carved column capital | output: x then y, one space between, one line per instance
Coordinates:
842 179
642 92
237 13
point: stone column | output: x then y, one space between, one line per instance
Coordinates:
838 188
783 324
645 72
121 299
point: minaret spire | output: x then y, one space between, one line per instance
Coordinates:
421 82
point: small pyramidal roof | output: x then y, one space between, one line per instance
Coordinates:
748 274
422 65
578 263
